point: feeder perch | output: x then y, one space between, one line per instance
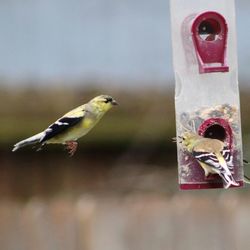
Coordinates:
206 89
209 34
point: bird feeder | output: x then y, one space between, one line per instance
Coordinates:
206 89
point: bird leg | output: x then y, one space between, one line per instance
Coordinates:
38 147
71 146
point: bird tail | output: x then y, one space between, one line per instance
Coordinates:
226 174
228 180
29 141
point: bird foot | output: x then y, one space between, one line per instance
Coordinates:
71 146
38 147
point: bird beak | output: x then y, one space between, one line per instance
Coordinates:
114 103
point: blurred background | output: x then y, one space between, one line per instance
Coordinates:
120 190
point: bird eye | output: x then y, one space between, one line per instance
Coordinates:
108 100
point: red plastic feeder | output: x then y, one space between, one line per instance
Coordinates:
217 128
209 33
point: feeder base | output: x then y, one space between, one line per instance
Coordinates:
188 186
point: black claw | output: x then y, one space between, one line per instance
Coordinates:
245 161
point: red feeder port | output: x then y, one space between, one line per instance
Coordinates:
217 128
209 33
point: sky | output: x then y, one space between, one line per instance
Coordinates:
79 39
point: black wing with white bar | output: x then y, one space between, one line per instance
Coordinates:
60 126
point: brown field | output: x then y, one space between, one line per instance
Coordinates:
146 222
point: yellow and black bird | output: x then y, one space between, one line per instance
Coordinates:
73 125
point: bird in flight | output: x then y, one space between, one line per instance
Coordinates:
73 125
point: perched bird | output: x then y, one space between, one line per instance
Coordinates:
73 125
213 156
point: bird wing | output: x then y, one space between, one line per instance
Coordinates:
64 123
219 164
212 160
227 155
207 158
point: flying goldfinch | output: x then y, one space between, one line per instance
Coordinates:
73 125
213 156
